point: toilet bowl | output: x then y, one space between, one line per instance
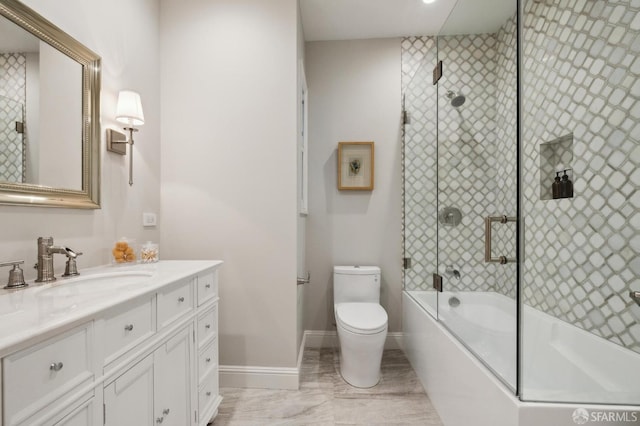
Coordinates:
361 323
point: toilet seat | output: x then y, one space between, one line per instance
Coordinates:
361 318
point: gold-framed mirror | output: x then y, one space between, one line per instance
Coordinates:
49 114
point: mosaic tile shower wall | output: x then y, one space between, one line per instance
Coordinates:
12 101
581 69
477 152
467 156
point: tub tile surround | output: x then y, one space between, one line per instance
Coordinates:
580 76
582 254
325 399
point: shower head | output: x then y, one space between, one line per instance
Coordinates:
457 99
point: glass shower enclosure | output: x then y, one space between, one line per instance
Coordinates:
12 146
522 193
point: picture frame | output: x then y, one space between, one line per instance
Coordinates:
356 166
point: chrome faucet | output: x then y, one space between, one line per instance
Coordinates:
46 250
449 270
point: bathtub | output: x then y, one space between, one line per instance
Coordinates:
561 362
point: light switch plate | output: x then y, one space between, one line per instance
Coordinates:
149 219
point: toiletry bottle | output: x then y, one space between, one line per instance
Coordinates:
566 186
555 186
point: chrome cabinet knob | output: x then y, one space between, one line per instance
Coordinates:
165 411
207 286
128 327
180 299
208 360
208 326
159 419
56 366
209 393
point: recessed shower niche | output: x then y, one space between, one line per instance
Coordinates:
556 170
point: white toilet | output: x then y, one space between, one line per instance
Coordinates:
361 322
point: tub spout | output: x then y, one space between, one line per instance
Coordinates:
452 272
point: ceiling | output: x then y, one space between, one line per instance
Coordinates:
361 19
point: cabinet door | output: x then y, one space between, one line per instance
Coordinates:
82 416
129 398
173 380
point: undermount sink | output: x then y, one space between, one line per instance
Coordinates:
67 294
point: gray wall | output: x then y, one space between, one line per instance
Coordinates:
229 163
354 89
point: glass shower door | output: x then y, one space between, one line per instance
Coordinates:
420 191
477 188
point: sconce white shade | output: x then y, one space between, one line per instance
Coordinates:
129 108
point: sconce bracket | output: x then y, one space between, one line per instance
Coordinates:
117 142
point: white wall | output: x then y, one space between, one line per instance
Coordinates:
301 225
229 163
125 34
355 95
32 116
59 76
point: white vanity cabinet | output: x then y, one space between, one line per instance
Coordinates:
208 398
156 390
149 359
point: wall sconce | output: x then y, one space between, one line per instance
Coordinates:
128 111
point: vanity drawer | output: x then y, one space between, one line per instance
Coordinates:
124 329
207 325
174 302
208 359
208 393
207 286
37 376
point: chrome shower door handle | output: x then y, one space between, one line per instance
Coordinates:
487 239
635 295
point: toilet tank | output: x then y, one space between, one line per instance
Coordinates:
356 284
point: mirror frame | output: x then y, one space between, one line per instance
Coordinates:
38 195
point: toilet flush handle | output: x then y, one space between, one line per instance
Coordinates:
301 281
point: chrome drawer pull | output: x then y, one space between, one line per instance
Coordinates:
56 366
180 299
128 327
208 326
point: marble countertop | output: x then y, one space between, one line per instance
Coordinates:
38 310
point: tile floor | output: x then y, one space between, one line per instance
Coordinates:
325 399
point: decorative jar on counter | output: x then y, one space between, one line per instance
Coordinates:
149 252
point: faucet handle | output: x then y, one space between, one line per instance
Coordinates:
16 275
71 268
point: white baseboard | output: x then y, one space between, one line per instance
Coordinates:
329 339
238 376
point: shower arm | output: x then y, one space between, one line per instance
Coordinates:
635 295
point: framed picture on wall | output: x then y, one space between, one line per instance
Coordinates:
355 166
